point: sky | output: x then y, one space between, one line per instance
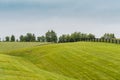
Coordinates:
64 16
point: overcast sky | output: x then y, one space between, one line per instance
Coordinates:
64 16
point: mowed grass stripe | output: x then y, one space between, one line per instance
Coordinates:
107 58
102 60
25 70
80 68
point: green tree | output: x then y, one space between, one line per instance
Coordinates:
68 38
41 39
30 37
84 37
91 36
51 36
75 36
63 38
33 38
12 38
7 38
108 36
22 38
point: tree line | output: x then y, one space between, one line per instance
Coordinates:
51 36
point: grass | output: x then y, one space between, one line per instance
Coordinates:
9 46
15 68
68 61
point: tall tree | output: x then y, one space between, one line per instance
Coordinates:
51 36
12 38
22 38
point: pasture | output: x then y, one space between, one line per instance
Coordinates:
64 61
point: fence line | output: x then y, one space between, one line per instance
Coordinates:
116 41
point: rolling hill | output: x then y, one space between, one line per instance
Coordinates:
66 61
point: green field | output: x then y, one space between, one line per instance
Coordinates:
66 61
